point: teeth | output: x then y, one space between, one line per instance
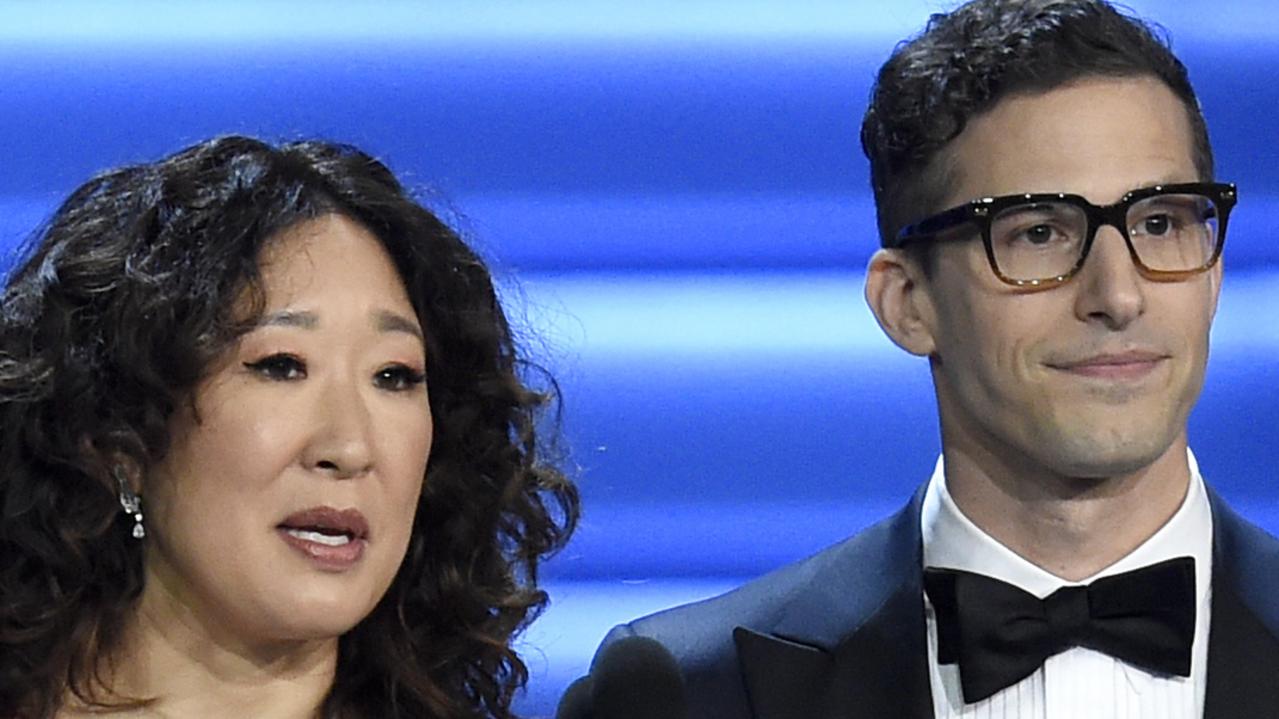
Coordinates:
332 540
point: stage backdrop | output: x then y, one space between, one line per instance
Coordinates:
674 199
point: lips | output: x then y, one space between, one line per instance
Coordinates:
332 539
1133 364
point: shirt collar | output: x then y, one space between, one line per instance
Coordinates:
951 540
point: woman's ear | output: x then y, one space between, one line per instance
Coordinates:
896 290
112 466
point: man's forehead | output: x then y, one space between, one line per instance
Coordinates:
1098 137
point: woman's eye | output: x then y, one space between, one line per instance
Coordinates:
281 367
398 378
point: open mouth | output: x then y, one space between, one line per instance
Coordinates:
327 525
334 539
320 536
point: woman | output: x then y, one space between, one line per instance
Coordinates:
265 450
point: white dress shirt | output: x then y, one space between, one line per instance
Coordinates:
1078 683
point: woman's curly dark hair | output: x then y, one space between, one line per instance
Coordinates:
106 327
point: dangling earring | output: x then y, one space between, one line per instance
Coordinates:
130 501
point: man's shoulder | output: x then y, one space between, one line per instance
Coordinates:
843 583
701 631
1238 534
1247 558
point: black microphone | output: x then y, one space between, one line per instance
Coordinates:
633 678
576 702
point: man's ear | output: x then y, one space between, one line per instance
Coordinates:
897 296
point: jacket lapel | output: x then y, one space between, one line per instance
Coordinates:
1243 651
853 644
783 678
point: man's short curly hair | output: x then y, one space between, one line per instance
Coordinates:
966 61
116 313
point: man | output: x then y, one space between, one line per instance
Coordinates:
1050 231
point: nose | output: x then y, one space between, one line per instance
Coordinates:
340 444
1109 290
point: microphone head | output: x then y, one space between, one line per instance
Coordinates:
637 678
576 701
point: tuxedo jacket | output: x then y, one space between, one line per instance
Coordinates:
842 634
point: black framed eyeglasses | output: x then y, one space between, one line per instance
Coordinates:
1041 240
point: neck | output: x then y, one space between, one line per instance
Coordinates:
188 667
1069 526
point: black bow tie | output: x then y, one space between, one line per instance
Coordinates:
1000 634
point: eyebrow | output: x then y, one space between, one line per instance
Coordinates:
290 318
383 320
391 322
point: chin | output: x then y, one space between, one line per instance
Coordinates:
319 614
1101 454
315 623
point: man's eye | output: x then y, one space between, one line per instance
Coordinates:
282 367
398 378
1040 235
1043 235
1156 225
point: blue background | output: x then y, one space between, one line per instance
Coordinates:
676 206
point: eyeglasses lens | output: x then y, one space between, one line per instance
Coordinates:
1045 240
1173 233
